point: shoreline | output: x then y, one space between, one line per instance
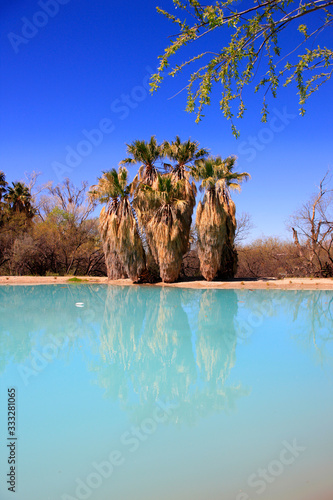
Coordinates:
262 283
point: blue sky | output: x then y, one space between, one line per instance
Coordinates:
86 66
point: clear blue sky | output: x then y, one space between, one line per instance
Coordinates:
86 66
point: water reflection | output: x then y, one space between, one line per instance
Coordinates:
150 353
144 344
31 317
315 310
308 317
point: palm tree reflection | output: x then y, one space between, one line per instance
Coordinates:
147 344
150 352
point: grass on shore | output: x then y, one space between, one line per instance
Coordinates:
76 280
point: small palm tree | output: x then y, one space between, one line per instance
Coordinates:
19 199
166 227
215 219
3 185
3 191
124 253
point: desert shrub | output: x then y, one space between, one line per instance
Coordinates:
272 257
26 257
55 245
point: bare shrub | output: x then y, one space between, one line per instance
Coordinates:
271 258
312 229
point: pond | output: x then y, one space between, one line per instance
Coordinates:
145 393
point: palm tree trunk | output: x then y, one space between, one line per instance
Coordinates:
229 257
167 230
129 244
145 211
114 267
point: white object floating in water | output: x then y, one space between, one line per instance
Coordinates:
79 304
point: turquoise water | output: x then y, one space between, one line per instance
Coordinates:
144 393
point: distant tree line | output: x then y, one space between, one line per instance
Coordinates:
48 233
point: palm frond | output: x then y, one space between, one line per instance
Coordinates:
127 161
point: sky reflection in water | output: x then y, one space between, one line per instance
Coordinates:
170 393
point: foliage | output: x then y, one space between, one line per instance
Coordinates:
3 191
146 153
3 185
184 154
18 199
217 174
58 237
111 186
15 199
250 52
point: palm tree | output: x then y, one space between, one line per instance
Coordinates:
215 219
3 185
184 155
233 180
166 227
147 154
3 191
124 253
19 199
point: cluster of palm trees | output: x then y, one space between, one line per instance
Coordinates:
15 199
145 225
